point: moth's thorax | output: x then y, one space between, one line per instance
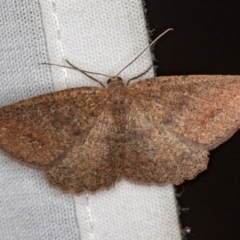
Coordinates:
115 82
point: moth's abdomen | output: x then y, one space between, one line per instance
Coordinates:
119 102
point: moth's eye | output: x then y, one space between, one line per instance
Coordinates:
109 80
119 79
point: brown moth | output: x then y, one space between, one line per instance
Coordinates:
156 131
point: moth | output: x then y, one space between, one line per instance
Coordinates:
156 131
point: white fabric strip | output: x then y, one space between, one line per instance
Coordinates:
103 36
29 208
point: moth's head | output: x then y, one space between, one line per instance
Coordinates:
115 82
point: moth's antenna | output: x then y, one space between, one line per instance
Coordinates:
145 50
74 68
86 73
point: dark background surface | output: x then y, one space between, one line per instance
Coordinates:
205 40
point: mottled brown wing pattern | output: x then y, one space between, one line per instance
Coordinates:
89 166
158 130
40 130
155 154
202 108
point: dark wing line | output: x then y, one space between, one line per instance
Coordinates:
180 137
88 166
155 158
